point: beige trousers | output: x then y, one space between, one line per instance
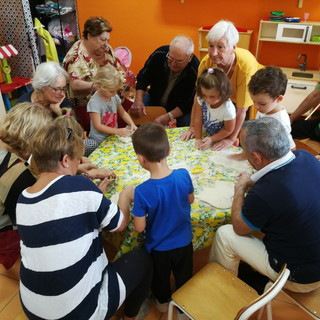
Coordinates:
228 249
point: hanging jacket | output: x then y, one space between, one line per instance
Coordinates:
51 50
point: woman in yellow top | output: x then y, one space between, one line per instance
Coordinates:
239 65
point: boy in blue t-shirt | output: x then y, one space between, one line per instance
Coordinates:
162 210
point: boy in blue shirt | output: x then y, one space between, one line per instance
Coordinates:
162 210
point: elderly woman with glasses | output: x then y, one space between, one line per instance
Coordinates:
168 79
65 273
239 64
50 85
84 59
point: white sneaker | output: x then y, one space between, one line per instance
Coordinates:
162 307
182 316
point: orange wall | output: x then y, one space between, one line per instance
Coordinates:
144 25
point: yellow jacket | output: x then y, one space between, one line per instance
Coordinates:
51 50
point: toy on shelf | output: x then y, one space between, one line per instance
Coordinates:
7 52
10 84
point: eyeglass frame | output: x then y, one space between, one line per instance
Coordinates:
176 61
69 135
59 89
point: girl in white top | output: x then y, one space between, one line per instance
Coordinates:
215 114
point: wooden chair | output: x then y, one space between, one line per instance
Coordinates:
307 144
309 302
152 114
216 293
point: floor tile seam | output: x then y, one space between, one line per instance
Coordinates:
10 277
17 293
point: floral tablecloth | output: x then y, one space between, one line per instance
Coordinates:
117 154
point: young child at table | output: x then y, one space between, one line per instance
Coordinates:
267 88
105 106
214 111
162 209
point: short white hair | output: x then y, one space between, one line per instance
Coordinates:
224 29
46 74
184 42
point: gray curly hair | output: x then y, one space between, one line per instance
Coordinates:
267 136
46 74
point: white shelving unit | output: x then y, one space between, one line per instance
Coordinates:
268 32
298 87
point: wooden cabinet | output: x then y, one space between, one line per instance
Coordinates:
296 92
244 41
306 33
298 88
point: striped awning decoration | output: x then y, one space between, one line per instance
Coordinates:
8 51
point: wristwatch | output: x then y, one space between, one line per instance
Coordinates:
171 116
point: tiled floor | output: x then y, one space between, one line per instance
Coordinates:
10 308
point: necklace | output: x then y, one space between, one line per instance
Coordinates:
231 64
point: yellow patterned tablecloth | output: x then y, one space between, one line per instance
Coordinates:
117 154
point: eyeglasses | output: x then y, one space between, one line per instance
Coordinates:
58 89
69 135
174 60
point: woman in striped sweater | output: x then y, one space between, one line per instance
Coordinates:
65 273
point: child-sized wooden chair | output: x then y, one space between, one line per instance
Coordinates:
307 144
216 293
308 301
152 114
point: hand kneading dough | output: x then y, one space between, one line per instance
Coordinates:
219 196
125 140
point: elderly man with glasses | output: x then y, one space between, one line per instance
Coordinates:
168 79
